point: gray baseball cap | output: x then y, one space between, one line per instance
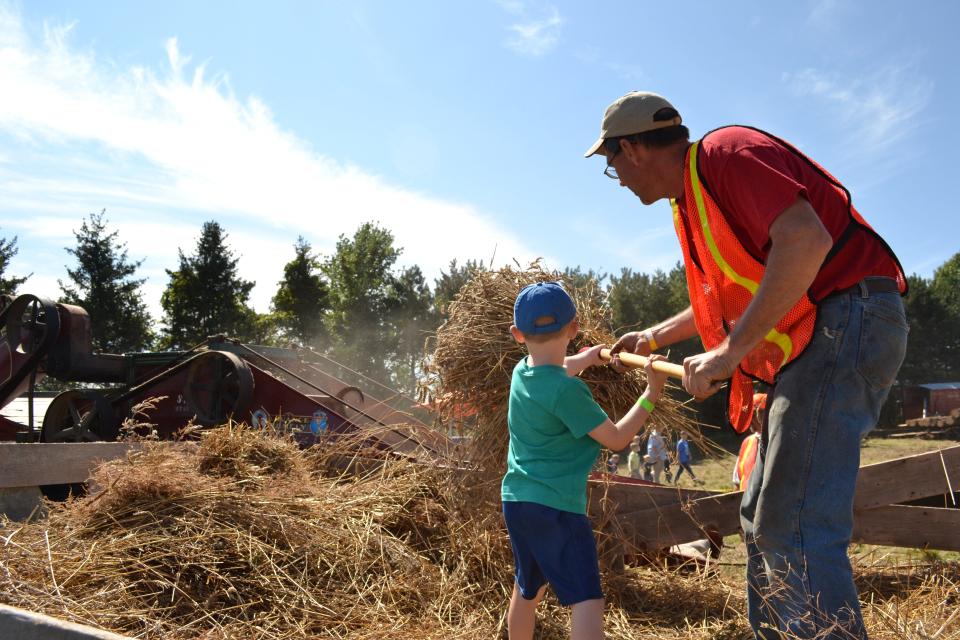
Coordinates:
632 113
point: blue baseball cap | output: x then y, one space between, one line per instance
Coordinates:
543 300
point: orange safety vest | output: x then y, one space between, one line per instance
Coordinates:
726 277
747 458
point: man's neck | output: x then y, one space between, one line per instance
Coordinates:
678 163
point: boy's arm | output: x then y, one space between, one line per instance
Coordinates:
616 436
587 358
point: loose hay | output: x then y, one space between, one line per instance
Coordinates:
242 535
474 356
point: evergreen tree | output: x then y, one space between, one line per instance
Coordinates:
303 297
411 318
8 249
361 288
448 285
205 296
933 346
103 284
588 281
639 300
946 286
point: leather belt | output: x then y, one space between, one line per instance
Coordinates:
872 284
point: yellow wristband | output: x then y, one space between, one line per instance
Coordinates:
651 342
644 403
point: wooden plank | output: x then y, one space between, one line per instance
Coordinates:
624 497
905 526
666 525
29 465
907 478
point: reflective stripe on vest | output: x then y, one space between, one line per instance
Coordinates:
721 288
780 339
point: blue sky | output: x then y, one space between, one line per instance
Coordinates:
460 126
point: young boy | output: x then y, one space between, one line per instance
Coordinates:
556 432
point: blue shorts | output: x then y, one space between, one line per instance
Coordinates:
556 547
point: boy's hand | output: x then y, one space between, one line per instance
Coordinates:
655 379
631 342
592 354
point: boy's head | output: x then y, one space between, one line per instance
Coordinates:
615 457
541 312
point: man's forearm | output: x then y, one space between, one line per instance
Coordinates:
676 329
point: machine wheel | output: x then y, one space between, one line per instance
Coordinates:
219 385
79 416
352 399
29 322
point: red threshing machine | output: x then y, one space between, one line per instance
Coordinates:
215 381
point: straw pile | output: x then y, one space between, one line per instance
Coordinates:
244 536
474 357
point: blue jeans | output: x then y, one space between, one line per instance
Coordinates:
797 510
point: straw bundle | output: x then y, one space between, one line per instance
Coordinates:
474 356
243 536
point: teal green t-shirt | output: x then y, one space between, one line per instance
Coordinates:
550 414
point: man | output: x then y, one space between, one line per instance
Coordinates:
656 454
684 460
788 285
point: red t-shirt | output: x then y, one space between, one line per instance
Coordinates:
753 179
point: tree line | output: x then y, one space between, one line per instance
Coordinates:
360 308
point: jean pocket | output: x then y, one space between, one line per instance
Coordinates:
883 344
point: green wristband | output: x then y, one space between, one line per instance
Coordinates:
644 403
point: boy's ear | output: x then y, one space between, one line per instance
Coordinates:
517 335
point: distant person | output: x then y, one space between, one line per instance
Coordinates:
747 457
633 460
557 430
656 454
613 464
683 459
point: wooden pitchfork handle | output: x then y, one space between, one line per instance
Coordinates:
636 361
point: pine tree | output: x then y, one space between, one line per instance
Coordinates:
205 296
361 277
448 285
302 298
8 249
103 284
411 319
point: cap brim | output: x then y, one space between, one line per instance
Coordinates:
595 148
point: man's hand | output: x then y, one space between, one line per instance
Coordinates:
632 342
705 373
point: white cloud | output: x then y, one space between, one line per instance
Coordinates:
535 37
165 150
877 110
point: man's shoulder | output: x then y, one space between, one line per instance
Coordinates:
735 139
